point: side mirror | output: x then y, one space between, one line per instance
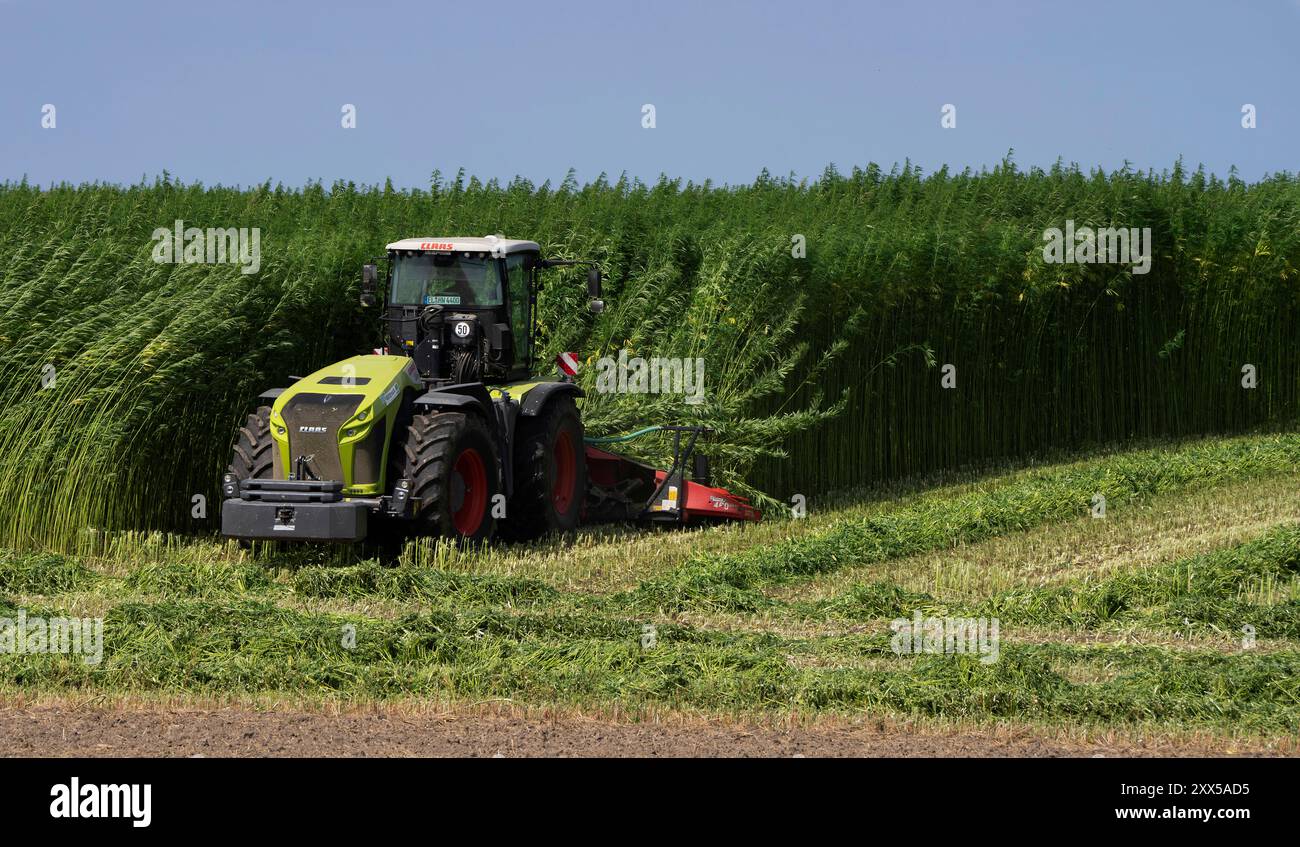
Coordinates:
369 284
596 306
593 283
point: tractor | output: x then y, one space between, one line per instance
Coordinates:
446 430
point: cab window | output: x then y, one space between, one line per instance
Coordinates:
518 266
446 279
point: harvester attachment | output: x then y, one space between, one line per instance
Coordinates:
625 489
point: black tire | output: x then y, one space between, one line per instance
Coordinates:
254 453
539 504
253 456
438 453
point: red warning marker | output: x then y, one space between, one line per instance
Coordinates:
568 363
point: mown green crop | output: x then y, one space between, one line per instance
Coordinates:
1129 647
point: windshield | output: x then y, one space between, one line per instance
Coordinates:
443 279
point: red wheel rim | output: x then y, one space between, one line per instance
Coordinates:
566 474
473 504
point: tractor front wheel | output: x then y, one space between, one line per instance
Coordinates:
254 453
451 465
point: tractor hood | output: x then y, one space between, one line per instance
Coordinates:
334 424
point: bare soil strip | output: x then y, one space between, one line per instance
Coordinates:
59 730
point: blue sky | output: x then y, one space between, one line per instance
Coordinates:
239 92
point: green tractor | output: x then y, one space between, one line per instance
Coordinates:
446 431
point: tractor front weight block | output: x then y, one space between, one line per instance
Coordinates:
336 521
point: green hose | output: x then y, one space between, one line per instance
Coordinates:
614 439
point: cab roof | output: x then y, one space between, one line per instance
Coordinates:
461 244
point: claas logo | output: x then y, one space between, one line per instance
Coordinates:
436 245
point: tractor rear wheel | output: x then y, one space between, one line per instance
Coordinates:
254 453
454 475
550 473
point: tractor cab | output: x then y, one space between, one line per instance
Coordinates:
462 308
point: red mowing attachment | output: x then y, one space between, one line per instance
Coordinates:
621 488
